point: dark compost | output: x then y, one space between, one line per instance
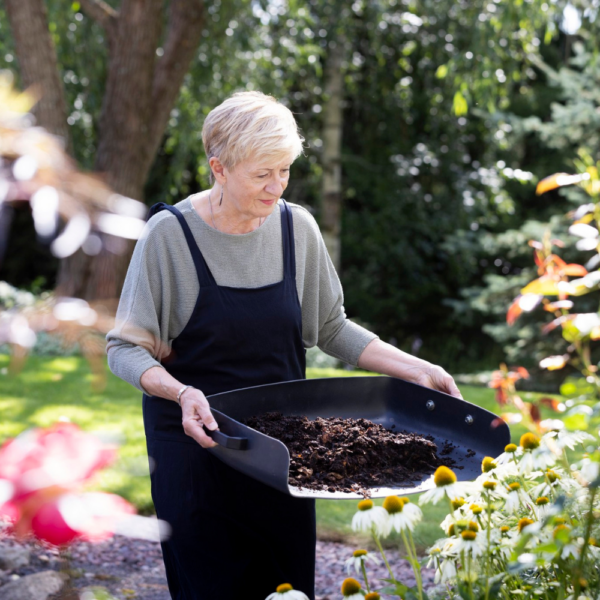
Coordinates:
351 455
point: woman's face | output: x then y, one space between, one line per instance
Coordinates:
253 187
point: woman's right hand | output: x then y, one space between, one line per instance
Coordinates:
195 412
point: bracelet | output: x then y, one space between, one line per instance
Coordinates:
185 387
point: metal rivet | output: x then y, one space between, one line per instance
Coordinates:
430 404
469 419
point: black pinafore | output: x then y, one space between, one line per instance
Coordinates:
233 537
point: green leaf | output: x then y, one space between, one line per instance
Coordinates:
460 105
577 422
546 548
574 387
442 71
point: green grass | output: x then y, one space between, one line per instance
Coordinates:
49 388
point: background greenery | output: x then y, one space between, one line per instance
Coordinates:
49 388
453 111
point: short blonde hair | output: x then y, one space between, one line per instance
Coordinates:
250 124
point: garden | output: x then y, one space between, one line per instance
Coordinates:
451 161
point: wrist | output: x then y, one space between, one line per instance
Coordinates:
182 392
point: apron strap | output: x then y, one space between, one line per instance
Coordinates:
205 277
289 250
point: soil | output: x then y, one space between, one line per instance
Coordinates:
351 455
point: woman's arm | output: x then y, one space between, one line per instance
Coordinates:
194 405
384 358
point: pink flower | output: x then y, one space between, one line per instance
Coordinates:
60 456
93 517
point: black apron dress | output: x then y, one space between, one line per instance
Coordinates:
232 537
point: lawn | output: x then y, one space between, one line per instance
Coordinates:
50 388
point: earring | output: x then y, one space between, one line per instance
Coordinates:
221 199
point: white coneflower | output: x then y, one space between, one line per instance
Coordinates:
535 456
445 485
446 572
470 541
351 589
358 558
545 507
569 439
487 487
515 497
286 592
510 454
370 518
402 514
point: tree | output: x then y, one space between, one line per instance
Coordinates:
146 68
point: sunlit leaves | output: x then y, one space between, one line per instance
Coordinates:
459 104
553 363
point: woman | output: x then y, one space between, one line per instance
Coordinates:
225 291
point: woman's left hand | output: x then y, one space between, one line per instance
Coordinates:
388 360
433 376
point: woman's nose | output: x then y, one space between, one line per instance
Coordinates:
275 187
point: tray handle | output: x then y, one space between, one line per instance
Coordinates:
233 443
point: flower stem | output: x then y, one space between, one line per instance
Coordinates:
414 563
586 539
364 572
387 564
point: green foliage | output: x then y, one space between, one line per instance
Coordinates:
445 106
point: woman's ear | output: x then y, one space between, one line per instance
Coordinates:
218 170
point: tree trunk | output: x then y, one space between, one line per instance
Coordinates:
140 93
38 64
332 146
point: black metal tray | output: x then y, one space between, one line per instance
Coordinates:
473 431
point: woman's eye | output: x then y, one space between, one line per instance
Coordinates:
262 176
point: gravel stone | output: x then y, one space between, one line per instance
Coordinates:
12 557
100 565
38 586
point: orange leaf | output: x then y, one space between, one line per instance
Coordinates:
501 397
551 403
558 180
558 305
534 413
557 260
523 372
514 311
574 270
548 183
554 324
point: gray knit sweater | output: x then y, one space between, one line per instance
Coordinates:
161 286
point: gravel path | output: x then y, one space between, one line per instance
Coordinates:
133 569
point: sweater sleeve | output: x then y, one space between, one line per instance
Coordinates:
155 304
324 321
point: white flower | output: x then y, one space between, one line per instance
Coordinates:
403 514
486 486
358 558
286 592
469 541
514 500
590 469
510 456
370 518
446 572
446 485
